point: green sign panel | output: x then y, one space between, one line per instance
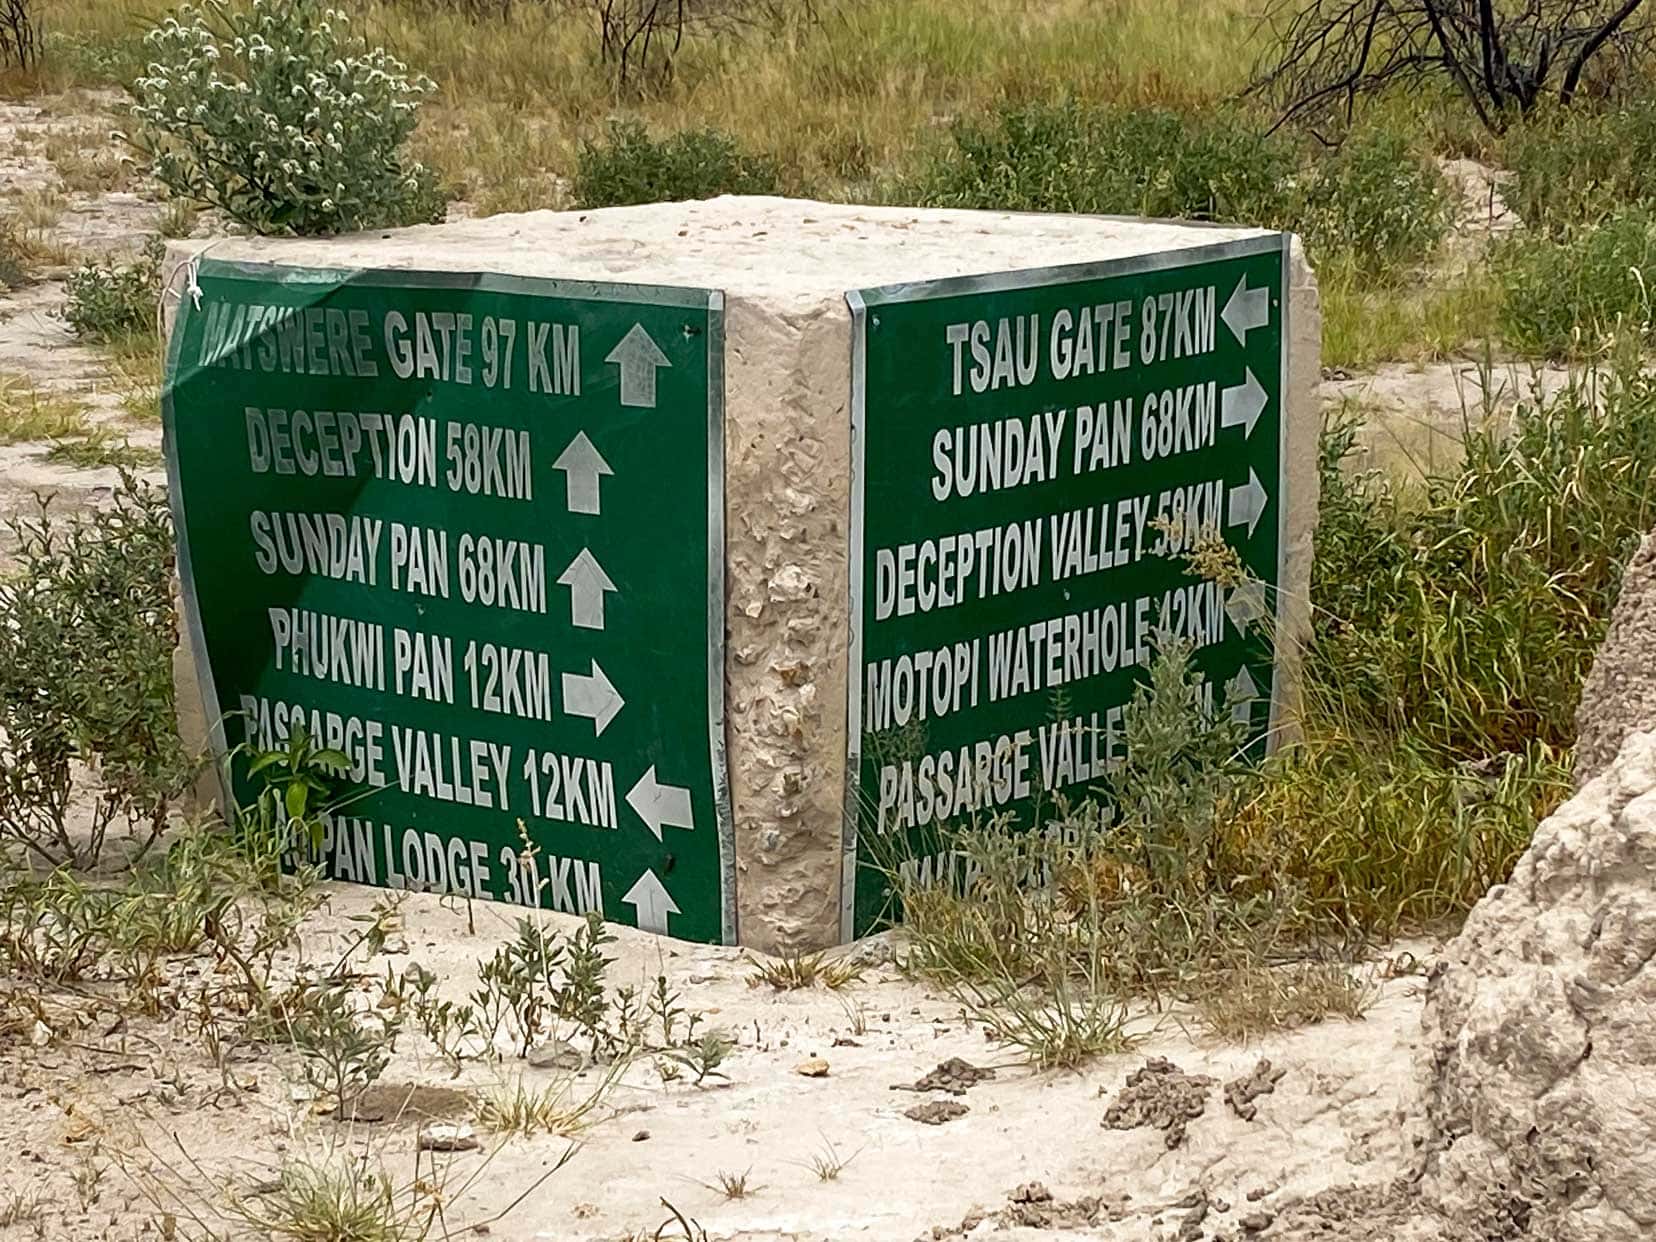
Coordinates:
1032 453
469 530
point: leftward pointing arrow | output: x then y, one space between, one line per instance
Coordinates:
587 583
1241 405
1240 693
1246 309
582 464
593 697
1247 503
653 902
638 356
660 805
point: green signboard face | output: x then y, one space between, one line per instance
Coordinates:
469 531
1033 452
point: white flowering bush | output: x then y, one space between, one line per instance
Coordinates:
278 116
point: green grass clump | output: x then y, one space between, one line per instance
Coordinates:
1374 202
1564 297
1578 166
628 166
27 414
1072 157
110 301
1467 616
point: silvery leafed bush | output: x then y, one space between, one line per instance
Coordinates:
278 116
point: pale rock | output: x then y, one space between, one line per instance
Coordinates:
1538 1064
1619 696
448 1136
790 585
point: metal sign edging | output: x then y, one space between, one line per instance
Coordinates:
851 814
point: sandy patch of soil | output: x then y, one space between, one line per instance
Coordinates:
1332 1119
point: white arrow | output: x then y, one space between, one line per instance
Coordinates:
592 697
587 583
1242 405
660 805
1240 693
582 464
1246 309
652 901
1246 603
638 357
1246 503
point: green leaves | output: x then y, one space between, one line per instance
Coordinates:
628 166
279 117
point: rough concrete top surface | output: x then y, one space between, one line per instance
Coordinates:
775 248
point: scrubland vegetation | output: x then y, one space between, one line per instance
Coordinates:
1454 617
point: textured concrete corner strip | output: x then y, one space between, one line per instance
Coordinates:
784 267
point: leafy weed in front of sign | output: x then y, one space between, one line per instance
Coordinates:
86 676
281 118
109 301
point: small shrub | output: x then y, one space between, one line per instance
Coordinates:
792 971
1564 297
1070 157
17 257
1466 616
346 1047
110 301
279 117
86 675
627 166
1244 1004
1376 201
1576 167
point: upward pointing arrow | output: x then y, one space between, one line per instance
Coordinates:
653 902
1245 504
660 805
582 464
1242 405
593 697
1246 309
1240 693
638 357
587 583
1246 603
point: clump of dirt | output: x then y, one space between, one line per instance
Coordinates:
1240 1093
1619 696
956 1076
936 1112
1162 1095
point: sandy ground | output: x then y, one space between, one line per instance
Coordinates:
91 1104
1029 1158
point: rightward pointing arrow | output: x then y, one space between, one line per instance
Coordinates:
652 901
592 697
660 806
1246 503
1240 693
582 464
638 357
1246 309
1246 603
1241 406
587 583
